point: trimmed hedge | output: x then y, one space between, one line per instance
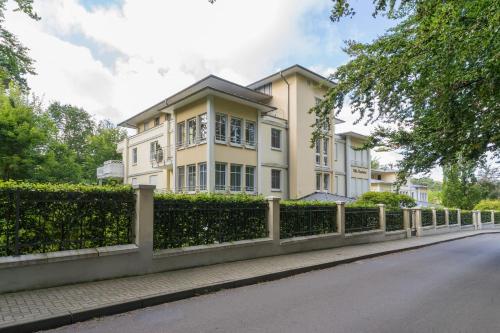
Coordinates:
39 218
391 200
306 218
488 204
182 220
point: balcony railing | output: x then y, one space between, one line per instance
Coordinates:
190 142
163 156
110 169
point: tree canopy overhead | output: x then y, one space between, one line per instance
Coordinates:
434 77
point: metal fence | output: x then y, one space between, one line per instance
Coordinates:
426 217
307 220
42 221
440 217
485 217
466 218
452 216
180 224
361 219
394 220
497 217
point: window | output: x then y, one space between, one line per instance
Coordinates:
379 177
275 138
202 119
191 123
318 152
180 178
134 181
336 184
153 147
181 134
157 121
134 156
153 180
325 152
220 127
250 133
146 125
336 151
250 179
266 89
326 182
220 176
202 177
235 178
318 182
275 179
191 177
236 130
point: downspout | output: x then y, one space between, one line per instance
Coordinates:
288 134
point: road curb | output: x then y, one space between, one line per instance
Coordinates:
71 317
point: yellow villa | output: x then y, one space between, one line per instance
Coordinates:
219 136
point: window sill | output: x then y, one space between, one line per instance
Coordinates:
277 149
250 146
220 142
234 144
275 190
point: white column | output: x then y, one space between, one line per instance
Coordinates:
210 144
259 148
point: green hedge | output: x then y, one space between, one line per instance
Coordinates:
391 200
38 218
427 217
485 216
440 217
488 204
306 218
182 220
359 219
452 216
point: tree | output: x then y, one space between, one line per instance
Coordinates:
23 136
434 76
15 63
460 188
375 163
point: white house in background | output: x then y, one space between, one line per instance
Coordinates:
384 180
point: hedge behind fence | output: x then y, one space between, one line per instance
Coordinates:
189 220
359 219
306 218
38 218
466 217
440 217
452 216
394 219
426 217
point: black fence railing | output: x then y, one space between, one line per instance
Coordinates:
43 221
452 216
440 217
180 223
497 217
307 220
361 219
466 218
394 220
426 217
485 217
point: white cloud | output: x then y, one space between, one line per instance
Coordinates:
163 46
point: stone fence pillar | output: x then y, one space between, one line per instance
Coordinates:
417 213
434 218
381 216
341 217
447 217
407 222
459 218
273 219
143 224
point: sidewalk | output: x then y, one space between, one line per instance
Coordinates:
58 306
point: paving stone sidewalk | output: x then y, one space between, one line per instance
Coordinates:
51 307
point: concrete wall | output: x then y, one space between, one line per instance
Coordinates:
66 267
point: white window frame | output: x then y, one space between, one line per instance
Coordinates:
278 171
181 181
203 124
273 131
191 131
202 176
325 145
218 170
249 142
180 139
250 187
153 146
134 181
191 182
235 177
318 181
220 125
134 156
317 153
233 127
326 182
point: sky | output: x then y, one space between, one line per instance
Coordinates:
115 58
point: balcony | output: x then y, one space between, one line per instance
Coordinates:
163 157
359 164
110 169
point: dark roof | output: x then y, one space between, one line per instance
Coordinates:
323 196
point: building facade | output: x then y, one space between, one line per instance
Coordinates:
218 136
384 180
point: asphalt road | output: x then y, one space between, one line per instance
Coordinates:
450 287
